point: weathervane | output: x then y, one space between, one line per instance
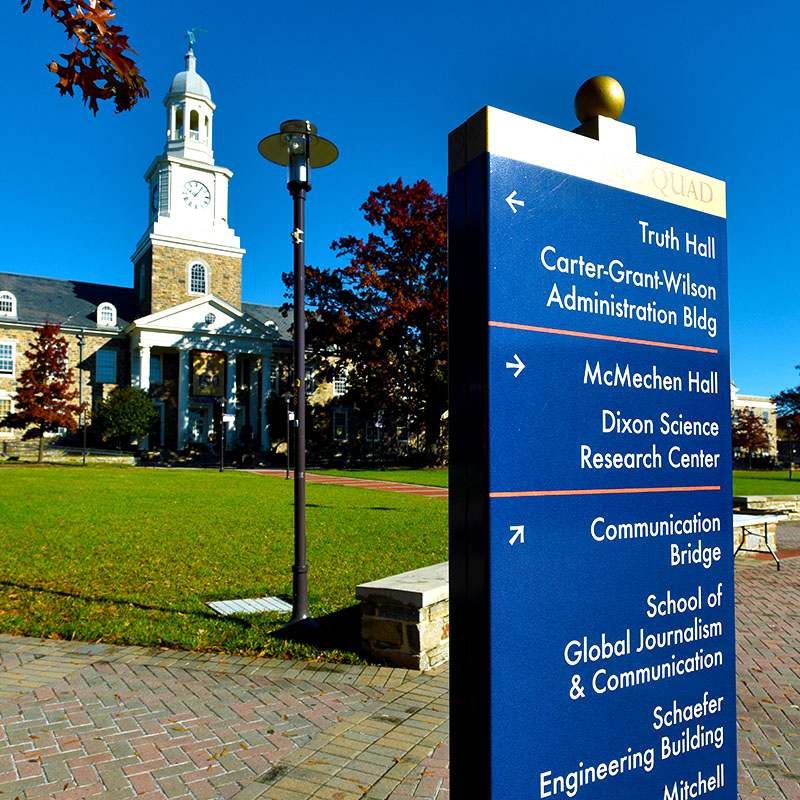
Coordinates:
191 35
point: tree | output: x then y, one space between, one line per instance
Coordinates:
788 401
98 64
124 413
44 395
749 432
383 316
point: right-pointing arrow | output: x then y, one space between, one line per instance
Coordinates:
516 365
519 534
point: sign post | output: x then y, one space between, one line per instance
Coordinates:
592 613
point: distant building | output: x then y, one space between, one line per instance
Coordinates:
765 408
182 332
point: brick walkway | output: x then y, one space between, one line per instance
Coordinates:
362 483
80 720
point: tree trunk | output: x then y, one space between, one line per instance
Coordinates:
41 449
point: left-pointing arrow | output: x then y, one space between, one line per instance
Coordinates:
512 203
516 365
519 533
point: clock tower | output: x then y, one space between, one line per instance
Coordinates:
188 249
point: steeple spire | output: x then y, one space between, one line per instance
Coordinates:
190 112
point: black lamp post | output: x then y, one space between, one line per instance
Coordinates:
298 146
791 454
81 343
289 420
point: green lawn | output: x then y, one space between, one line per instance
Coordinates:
131 555
747 482
423 477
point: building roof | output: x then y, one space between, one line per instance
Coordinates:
69 303
189 80
74 304
271 314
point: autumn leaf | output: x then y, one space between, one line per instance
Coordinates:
99 65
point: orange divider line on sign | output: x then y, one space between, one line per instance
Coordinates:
629 490
584 335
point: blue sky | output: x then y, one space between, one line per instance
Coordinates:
710 86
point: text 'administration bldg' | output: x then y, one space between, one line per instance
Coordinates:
182 332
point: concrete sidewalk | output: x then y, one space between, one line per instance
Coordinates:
79 720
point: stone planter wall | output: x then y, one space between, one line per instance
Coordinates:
405 619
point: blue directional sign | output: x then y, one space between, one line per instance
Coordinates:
592 613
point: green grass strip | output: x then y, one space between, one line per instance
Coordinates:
131 556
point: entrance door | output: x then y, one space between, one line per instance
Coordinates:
198 425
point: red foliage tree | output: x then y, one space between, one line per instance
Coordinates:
44 396
750 433
384 315
98 64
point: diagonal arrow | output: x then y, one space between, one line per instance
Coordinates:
516 365
520 534
512 203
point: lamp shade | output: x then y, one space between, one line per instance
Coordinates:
275 148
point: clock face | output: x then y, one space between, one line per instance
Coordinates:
196 194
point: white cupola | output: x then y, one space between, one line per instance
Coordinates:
190 114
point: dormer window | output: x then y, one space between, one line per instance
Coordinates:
8 305
198 278
106 314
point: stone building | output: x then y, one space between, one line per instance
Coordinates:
763 407
182 332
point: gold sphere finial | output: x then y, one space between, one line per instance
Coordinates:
600 96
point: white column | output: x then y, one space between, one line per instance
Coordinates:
143 355
144 367
135 368
265 392
230 397
183 398
252 383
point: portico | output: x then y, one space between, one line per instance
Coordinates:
209 359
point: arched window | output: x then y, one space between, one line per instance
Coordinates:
106 314
179 124
8 305
198 278
194 125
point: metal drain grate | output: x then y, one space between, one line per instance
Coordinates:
254 605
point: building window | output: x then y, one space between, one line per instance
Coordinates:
7 353
155 369
373 431
275 377
402 433
340 425
106 366
106 314
340 383
8 305
198 278
6 407
311 379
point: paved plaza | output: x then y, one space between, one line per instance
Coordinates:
80 720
